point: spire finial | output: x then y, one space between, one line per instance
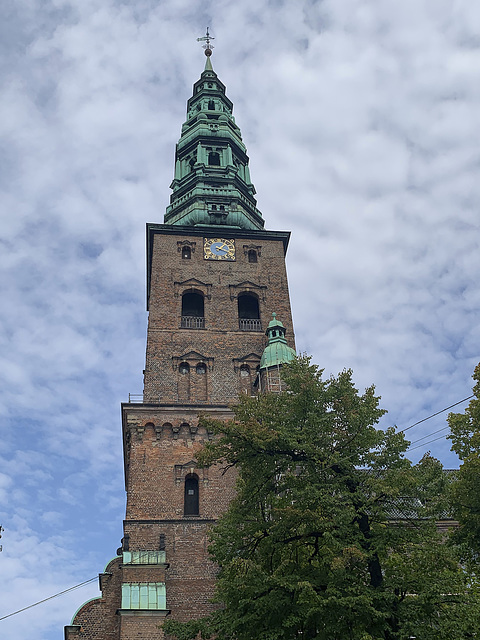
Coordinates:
208 46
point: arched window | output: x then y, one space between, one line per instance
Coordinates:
186 253
248 306
245 382
184 368
191 502
201 368
252 255
211 105
192 311
249 312
214 159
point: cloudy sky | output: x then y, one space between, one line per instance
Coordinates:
361 120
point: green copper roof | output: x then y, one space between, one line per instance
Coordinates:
277 350
208 64
212 185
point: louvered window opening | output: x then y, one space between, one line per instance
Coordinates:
144 557
144 595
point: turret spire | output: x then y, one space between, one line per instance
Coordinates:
212 183
277 351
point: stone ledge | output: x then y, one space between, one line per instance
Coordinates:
144 613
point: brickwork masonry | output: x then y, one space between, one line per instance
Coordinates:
192 367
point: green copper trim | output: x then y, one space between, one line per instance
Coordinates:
81 607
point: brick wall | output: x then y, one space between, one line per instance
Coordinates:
97 619
161 435
221 344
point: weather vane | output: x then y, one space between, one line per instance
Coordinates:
207 45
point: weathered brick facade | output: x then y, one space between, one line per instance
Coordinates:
206 335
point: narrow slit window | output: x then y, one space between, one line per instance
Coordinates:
191 502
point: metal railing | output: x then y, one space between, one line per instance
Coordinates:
191 322
249 324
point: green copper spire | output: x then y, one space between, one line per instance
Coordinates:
212 185
208 64
277 351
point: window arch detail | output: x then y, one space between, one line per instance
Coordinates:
192 285
194 376
184 368
248 287
246 369
250 249
186 244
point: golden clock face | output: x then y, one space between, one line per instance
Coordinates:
218 249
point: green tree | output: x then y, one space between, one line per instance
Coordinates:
332 533
465 437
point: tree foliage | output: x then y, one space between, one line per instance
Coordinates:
465 437
332 533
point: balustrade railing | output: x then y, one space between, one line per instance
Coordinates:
249 324
191 322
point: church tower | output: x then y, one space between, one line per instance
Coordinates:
214 279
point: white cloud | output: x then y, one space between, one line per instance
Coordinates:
361 122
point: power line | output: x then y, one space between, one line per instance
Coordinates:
435 414
430 434
417 423
61 593
425 443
